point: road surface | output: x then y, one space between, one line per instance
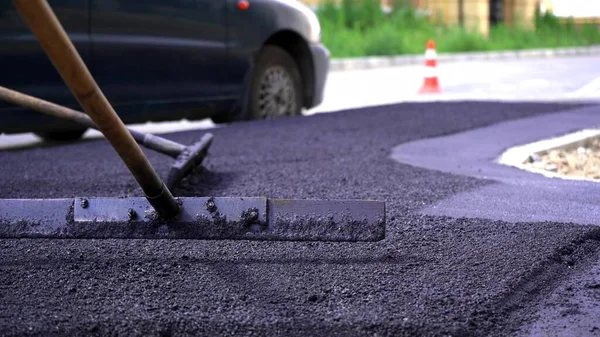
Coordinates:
433 275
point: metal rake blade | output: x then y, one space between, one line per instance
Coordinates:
202 218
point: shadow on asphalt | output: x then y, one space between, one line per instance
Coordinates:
203 182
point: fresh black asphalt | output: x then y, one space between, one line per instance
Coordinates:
431 276
573 308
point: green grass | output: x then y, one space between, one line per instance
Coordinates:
358 28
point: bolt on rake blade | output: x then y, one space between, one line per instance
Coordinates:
202 218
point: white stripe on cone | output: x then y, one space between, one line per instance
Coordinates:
430 54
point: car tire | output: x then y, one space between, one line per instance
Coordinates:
61 136
276 87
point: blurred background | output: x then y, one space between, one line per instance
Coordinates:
355 28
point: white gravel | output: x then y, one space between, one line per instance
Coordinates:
583 161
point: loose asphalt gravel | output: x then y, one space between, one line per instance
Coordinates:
432 275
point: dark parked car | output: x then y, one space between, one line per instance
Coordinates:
158 60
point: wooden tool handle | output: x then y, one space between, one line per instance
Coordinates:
44 24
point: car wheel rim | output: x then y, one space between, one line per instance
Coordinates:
276 96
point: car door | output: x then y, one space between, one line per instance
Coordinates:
157 51
25 66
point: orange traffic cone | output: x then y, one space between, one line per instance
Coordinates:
430 83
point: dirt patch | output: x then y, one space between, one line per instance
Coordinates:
582 161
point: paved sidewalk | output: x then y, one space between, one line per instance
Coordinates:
571 78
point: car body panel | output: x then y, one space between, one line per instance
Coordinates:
157 50
155 60
321 59
26 68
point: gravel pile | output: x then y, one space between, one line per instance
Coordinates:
583 161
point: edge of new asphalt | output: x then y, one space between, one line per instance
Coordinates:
360 63
540 198
517 156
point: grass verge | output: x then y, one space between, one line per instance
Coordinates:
357 28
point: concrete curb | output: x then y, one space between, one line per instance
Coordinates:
519 155
344 64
